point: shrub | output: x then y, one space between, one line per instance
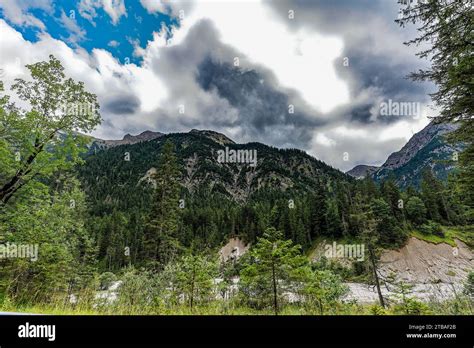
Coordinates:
416 307
469 285
432 227
106 280
377 310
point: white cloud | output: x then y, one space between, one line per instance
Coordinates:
16 11
323 140
346 145
153 6
403 129
138 51
87 9
114 8
167 6
76 33
113 43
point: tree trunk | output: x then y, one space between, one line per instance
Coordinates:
192 288
275 293
9 189
377 283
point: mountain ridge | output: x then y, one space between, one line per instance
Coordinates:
360 171
426 148
197 153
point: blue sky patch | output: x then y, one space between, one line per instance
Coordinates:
136 27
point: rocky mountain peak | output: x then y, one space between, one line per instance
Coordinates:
128 139
215 136
417 142
427 148
361 171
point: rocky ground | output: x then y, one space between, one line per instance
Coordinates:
427 263
436 271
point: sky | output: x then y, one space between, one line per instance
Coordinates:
307 74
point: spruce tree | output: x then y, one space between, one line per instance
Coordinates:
270 269
194 279
433 196
161 240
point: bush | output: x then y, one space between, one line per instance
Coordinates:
432 227
415 307
106 280
377 310
469 285
139 292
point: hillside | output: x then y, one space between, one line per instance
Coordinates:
361 171
426 149
128 139
108 171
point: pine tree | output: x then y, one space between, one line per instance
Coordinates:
323 288
318 210
333 221
389 230
194 279
161 240
370 237
432 194
416 210
392 196
270 269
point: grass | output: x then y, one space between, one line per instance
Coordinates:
431 238
217 309
460 306
464 233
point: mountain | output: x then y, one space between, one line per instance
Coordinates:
128 139
419 141
215 136
110 176
427 148
361 171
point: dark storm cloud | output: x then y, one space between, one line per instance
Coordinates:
377 62
266 112
122 104
247 99
260 103
332 16
361 114
374 71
